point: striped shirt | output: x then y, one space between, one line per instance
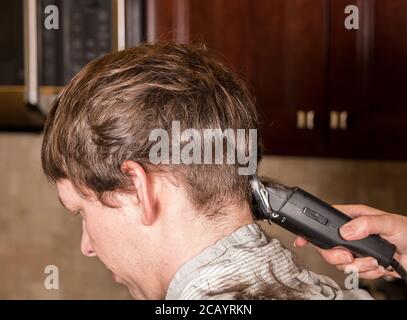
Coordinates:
245 256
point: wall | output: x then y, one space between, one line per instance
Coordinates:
35 231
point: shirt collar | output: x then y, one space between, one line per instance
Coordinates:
246 234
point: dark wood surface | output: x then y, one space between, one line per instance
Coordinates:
297 55
367 73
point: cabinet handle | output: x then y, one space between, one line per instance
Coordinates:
305 119
334 120
338 120
310 120
301 119
343 120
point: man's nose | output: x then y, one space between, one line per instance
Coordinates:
86 245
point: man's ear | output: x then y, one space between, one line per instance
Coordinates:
143 190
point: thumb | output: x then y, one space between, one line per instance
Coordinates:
362 227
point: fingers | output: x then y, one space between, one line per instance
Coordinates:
367 268
336 256
378 273
300 242
366 221
362 265
332 256
374 274
393 274
362 227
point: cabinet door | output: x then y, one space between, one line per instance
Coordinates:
279 47
367 73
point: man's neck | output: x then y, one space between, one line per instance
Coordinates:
195 233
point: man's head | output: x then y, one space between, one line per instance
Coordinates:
97 149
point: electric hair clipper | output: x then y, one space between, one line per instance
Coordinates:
316 221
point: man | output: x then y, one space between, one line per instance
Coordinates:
167 230
367 221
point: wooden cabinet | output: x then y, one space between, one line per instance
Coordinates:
367 79
321 89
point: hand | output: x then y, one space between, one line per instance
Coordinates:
367 221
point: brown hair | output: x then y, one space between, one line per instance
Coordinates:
104 116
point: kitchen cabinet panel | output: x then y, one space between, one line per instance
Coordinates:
321 89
